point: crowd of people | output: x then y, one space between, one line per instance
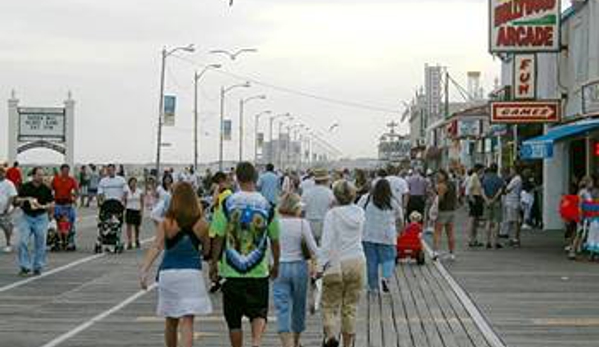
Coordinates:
322 236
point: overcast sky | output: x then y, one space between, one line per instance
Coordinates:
108 54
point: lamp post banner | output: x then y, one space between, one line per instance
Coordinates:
170 102
227 129
260 139
524 26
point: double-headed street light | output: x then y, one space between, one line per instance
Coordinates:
233 55
196 78
165 53
223 92
242 103
256 129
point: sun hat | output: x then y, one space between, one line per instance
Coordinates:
321 174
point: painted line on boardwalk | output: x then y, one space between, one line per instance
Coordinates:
493 339
83 326
59 269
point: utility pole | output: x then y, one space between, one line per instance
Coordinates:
195 121
240 130
221 132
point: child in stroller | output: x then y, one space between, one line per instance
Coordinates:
409 242
59 230
110 223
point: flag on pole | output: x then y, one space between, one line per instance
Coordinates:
227 127
168 114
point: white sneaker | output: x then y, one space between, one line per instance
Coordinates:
435 256
7 249
451 256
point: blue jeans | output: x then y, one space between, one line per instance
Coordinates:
378 254
289 295
38 227
69 212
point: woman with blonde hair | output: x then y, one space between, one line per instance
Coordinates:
343 264
181 289
290 288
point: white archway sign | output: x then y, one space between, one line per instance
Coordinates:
41 127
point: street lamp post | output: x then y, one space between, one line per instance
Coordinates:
270 139
196 78
242 103
165 53
256 128
289 140
224 91
279 154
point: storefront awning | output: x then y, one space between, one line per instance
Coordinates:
542 146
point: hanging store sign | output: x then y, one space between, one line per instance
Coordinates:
590 98
227 127
469 128
168 118
547 111
524 26
525 77
42 123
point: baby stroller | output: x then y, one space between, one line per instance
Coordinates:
110 223
409 242
52 239
63 225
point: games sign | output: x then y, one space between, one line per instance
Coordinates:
546 111
524 26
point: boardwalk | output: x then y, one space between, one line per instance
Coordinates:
95 301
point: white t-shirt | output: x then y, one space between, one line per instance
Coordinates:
380 226
134 199
113 188
293 231
7 192
318 200
514 189
399 187
307 184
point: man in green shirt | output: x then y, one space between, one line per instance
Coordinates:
244 226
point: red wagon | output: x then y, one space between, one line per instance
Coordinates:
409 244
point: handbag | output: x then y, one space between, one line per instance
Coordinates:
306 253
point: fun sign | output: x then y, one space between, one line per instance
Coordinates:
524 26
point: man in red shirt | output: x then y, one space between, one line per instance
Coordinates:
14 175
65 190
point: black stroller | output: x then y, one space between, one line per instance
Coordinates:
110 225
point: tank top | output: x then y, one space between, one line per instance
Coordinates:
448 203
182 251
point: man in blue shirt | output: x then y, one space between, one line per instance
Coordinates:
269 184
493 187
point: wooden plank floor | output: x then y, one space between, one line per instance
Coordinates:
420 311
